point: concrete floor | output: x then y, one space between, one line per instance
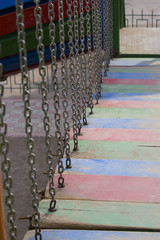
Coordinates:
140 40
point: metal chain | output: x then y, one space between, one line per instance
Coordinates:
64 83
54 67
83 61
111 27
95 46
45 105
77 65
99 32
7 182
27 114
106 35
89 47
72 75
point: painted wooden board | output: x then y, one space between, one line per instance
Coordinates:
117 123
135 62
119 150
130 96
8 21
125 81
107 188
115 167
125 113
92 235
130 88
98 215
141 69
127 104
102 134
133 75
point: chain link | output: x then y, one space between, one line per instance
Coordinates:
54 68
45 105
83 61
89 47
106 36
72 75
64 83
77 65
27 115
7 182
111 27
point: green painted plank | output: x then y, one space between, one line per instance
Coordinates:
100 215
116 150
9 44
134 69
130 88
125 113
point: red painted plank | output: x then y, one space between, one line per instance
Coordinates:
128 104
110 188
8 21
152 82
100 134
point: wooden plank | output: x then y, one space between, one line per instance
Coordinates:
135 62
115 167
102 134
108 188
130 88
127 104
130 96
117 150
94 235
117 123
125 113
125 81
130 69
132 75
98 215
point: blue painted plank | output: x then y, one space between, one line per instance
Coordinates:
10 3
94 235
130 96
135 62
133 75
122 123
116 167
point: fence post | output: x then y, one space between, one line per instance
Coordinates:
2 219
116 27
118 22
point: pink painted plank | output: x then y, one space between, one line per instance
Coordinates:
128 104
154 82
110 188
101 134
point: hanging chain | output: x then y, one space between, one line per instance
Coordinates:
77 65
89 47
27 114
106 35
45 106
64 83
95 46
72 75
83 61
111 27
54 67
7 182
99 32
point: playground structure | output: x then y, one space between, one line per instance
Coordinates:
110 152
